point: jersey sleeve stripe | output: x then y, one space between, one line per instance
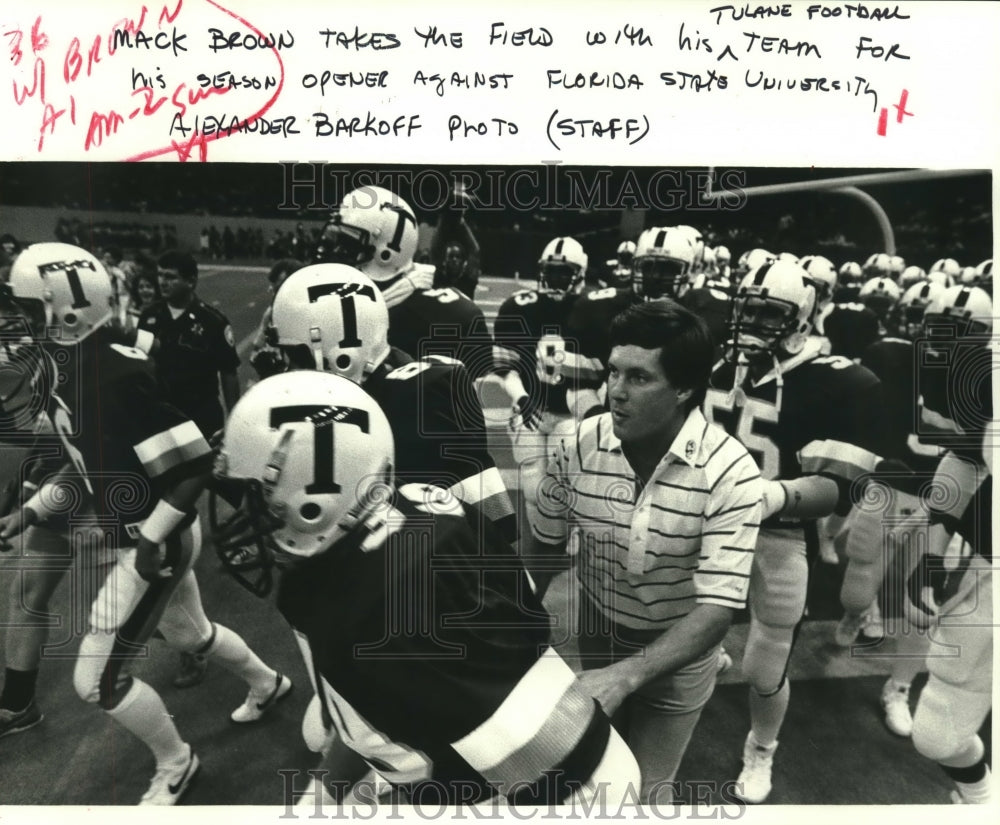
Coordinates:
837 458
171 448
536 726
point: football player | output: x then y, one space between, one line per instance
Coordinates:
823 276
892 359
538 361
375 231
849 280
852 326
27 377
413 614
957 412
141 466
778 395
910 276
621 272
949 266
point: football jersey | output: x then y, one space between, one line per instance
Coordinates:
893 361
126 445
850 328
713 306
825 399
590 325
442 322
955 392
432 654
531 336
440 432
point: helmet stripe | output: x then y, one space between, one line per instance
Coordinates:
559 246
762 273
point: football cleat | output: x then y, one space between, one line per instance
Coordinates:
171 781
15 721
754 782
255 706
896 704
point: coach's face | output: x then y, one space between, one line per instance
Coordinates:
646 409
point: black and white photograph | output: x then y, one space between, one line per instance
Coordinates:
341 487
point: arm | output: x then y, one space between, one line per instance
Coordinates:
230 388
691 637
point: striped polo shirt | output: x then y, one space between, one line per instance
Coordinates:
648 555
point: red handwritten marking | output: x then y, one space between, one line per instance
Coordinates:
49 117
184 148
39 39
102 126
901 112
37 84
167 17
901 107
16 36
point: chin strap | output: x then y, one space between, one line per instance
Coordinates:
737 396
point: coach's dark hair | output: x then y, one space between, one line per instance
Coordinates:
687 353
183 262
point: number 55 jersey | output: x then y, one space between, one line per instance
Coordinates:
829 400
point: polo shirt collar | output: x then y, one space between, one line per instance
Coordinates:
686 445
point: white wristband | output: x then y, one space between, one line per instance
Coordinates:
144 340
161 522
47 492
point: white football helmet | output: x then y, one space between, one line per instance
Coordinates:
896 266
333 318
941 278
880 295
947 265
373 230
821 273
967 276
750 260
67 285
910 276
966 310
697 244
772 309
984 275
912 306
626 252
849 273
314 453
878 265
663 261
562 266
722 256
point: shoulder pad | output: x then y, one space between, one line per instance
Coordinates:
435 501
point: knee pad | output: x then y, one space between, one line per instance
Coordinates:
778 580
765 657
867 552
93 675
947 720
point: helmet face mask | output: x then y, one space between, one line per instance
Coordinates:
664 259
344 244
660 277
562 266
771 311
373 230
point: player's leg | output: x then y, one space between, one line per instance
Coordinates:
185 627
958 695
777 599
122 620
33 576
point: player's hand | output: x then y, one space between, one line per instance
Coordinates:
14 524
525 414
607 685
267 362
149 560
